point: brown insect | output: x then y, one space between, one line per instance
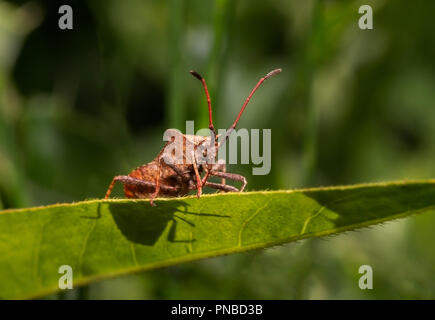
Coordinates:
165 177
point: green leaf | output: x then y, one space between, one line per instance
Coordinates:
106 238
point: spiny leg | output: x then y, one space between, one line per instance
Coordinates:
231 176
112 184
198 178
135 182
222 187
207 173
221 167
127 180
224 170
156 192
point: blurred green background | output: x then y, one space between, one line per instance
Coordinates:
80 106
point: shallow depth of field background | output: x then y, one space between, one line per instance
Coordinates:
351 106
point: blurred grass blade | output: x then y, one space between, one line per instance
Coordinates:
223 15
175 107
100 239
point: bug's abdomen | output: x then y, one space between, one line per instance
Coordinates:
149 173
144 173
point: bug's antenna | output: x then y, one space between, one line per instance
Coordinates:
198 76
233 126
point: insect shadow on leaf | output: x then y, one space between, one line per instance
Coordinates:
143 224
98 216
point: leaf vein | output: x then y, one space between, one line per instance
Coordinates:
243 227
85 245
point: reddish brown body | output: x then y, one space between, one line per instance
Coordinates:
148 172
171 183
163 178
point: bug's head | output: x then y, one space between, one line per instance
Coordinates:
205 148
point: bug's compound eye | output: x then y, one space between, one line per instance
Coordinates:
204 153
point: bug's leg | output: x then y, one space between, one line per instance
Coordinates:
221 167
231 176
112 184
135 182
198 180
224 170
207 173
221 187
126 180
156 192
